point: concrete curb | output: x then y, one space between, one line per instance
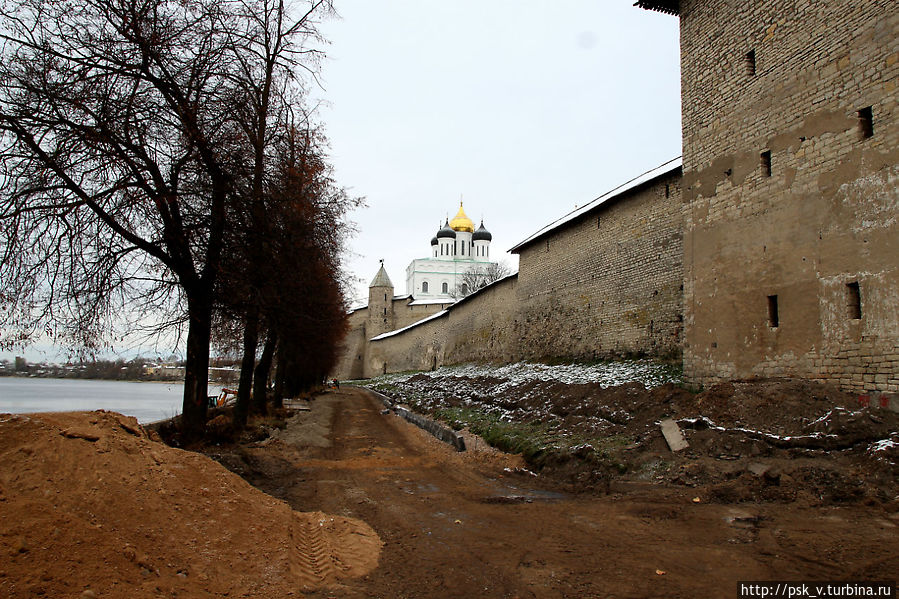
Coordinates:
437 430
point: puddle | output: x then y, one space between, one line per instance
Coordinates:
506 493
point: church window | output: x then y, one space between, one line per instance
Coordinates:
750 63
385 312
445 288
464 289
424 287
385 297
866 123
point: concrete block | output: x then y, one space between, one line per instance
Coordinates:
673 435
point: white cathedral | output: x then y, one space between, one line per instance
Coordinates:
456 249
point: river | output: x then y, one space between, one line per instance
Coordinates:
147 402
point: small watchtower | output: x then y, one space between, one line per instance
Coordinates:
381 318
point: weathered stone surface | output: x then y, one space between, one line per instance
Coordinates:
825 217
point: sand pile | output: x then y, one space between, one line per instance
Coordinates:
90 506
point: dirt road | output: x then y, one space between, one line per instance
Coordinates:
461 525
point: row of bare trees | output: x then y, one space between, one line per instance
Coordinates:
159 167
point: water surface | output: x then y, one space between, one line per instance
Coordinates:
147 402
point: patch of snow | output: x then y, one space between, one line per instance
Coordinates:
748 431
884 445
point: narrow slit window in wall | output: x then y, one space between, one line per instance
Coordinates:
854 298
773 317
765 161
866 123
750 63
667 190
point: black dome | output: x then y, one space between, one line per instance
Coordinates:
482 234
446 232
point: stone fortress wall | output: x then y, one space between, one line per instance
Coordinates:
791 190
609 283
774 253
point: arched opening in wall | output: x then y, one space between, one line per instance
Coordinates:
424 287
464 289
445 288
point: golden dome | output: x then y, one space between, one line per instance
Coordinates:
462 222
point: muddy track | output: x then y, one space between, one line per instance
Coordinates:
460 525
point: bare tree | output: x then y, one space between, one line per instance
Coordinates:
123 145
478 277
276 46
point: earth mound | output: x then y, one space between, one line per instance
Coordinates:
91 506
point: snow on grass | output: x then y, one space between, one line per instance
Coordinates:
607 374
520 391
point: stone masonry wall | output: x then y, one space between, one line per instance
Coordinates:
482 327
475 329
789 205
417 348
352 361
608 284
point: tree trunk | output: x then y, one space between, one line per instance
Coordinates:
260 377
196 369
250 341
280 379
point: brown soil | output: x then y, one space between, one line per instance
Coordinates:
765 440
90 506
477 524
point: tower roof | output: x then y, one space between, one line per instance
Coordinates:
381 279
462 222
482 234
446 231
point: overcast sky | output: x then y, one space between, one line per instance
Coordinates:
524 108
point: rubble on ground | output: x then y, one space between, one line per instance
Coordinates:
770 440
